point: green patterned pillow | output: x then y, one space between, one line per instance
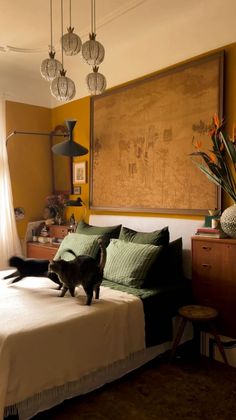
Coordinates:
80 244
107 232
128 263
157 237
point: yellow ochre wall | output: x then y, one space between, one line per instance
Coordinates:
29 157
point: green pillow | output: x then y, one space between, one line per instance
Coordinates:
80 244
128 263
107 232
158 237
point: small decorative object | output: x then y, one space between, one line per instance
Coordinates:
72 223
228 221
19 213
96 82
76 190
79 173
219 166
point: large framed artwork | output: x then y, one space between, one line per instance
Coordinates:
141 139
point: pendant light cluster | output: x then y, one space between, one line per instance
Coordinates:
93 52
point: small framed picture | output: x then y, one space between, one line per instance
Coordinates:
79 173
76 190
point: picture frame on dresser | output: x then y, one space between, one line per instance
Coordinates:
142 138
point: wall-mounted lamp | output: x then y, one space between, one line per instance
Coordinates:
69 147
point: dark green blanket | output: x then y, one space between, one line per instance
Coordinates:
159 305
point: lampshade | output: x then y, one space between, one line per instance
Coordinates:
50 67
93 51
71 42
63 88
69 147
96 82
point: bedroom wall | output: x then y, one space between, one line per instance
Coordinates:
80 108
29 159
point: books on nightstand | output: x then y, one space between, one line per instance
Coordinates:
211 232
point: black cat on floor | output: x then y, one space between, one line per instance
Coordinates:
84 270
30 267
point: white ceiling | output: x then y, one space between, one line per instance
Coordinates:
139 36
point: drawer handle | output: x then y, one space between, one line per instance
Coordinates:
206 266
207 248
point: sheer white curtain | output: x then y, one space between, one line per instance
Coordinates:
9 240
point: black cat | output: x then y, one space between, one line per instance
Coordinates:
84 270
30 267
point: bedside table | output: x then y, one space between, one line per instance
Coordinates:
42 251
47 251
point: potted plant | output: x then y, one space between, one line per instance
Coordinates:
219 165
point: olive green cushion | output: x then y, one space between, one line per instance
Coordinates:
157 237
106 232
80 244
128 263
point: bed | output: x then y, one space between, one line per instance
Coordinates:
55 348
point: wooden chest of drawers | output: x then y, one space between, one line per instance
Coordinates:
214 278
41 251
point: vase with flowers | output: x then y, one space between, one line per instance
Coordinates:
219 165
58 203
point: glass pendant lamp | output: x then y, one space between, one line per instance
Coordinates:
50 67
62 87
93 51
71 43
96 82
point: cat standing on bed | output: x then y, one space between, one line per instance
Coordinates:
29 267
82 270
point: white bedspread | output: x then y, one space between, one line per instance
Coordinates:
46 341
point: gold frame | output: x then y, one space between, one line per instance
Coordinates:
119 122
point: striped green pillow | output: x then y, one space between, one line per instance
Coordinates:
80 244
128 263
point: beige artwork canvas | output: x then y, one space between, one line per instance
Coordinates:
142 137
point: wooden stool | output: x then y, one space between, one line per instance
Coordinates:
199 314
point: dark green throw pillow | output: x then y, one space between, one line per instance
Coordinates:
128 263
157 237
168 266
106 232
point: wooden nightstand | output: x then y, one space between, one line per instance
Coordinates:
214 279
41 251
47 251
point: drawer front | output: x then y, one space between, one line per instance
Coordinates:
41 252
58 231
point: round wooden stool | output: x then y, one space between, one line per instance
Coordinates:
198 314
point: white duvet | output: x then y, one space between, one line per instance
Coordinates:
47 341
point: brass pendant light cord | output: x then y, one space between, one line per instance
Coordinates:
62 35
51 23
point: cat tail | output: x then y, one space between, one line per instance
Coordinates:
103 256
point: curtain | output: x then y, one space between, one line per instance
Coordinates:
9 240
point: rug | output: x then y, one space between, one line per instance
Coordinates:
193 388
